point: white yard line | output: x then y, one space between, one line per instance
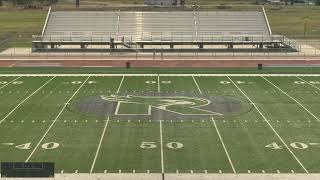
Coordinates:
171 75
161 147
213 121
10 82
224 147
197 85
159 84
55 120
309 83
26 99
98 149
120 85
276 133
292 98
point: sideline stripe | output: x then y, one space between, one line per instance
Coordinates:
172 75
10 82
308 83
265 119
55 120
197 85
292 98
26 99
98 149
161 148
120 85
224 147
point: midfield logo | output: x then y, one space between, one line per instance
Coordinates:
142 105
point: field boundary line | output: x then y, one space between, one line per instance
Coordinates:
223 145
99 146
265 119
165 74
55 120
120 85
309 83
161 148
21 102
10 82
196 84
283 92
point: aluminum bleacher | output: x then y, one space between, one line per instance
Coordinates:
147 31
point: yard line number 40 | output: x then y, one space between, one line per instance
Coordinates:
295 145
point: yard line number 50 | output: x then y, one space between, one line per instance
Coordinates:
152 145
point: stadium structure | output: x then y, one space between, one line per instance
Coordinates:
155 31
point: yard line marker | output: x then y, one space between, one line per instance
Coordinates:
276 133
98 149
158 83
26 99
292 98
10 82
223 145
194 79
120 85
161 148
309 83
55 120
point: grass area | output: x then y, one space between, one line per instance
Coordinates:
37 110
292 21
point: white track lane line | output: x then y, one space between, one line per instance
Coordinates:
26 99
98 149
161 147
120 84
224 147
292 98
276 133
197 85
10 82
216 127
308 83
55 120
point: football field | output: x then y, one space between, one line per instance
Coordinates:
167 123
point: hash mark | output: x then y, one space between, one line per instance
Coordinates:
292 171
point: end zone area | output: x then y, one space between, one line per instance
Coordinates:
162 123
